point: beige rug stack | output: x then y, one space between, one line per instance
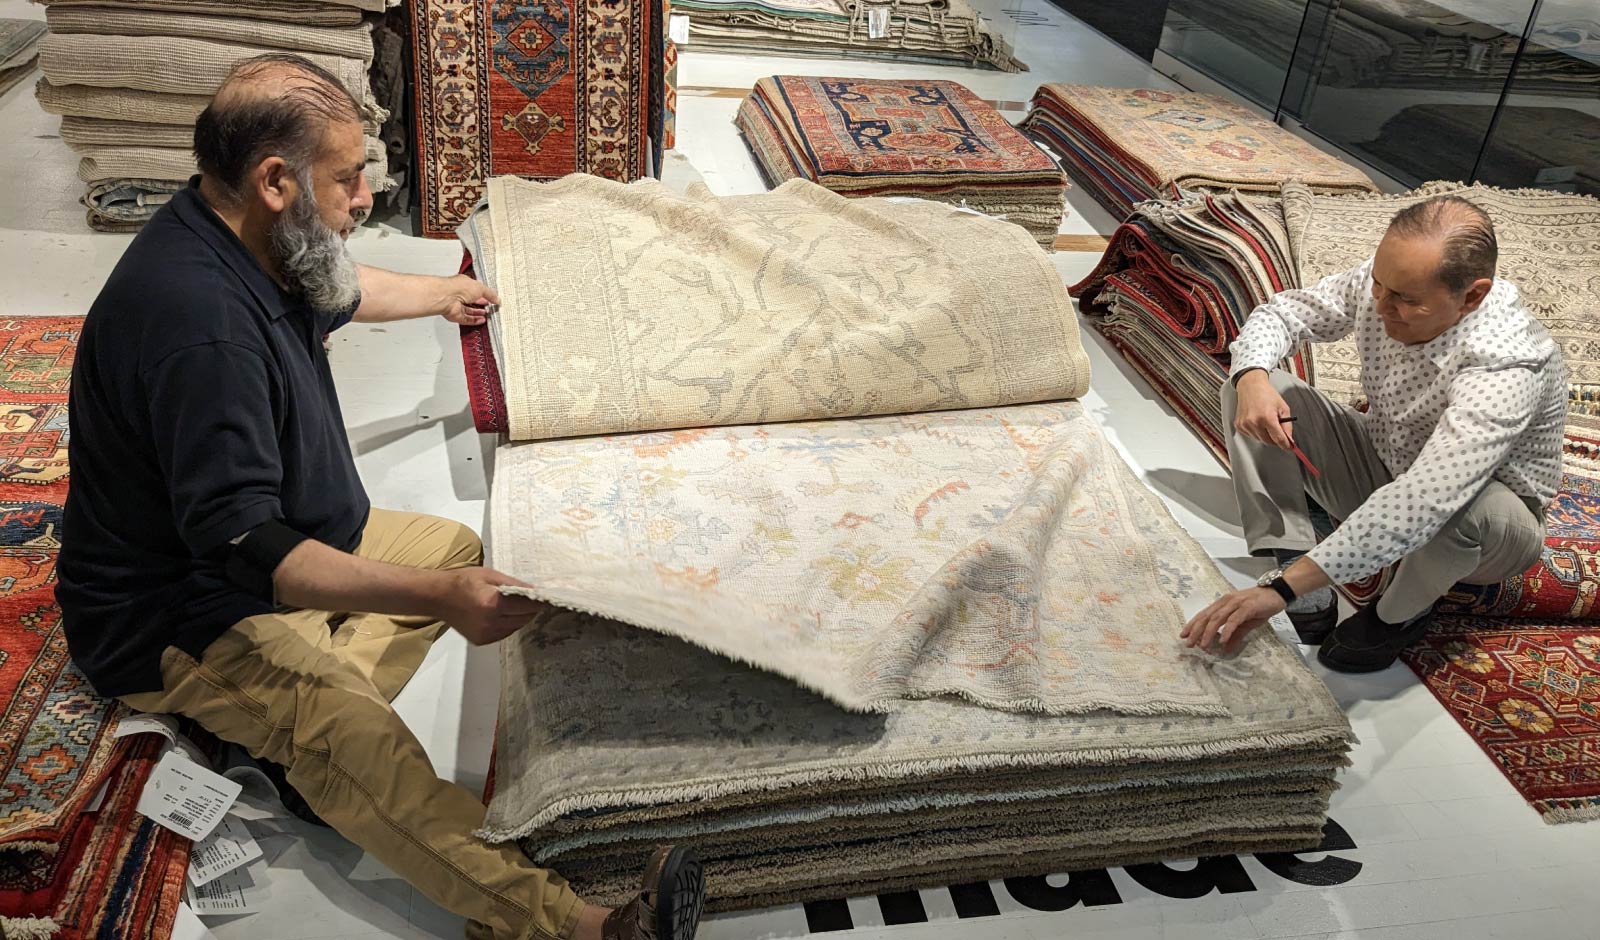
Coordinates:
846 589
129 77
935 32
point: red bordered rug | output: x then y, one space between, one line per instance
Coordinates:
533 88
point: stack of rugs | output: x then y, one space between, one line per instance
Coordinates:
1174 288
929 139
846 589
76 859
537 90
935 32
129 78
19 49
1131 145
1179 279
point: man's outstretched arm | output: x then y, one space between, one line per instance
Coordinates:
387 296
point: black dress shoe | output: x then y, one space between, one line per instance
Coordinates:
1314 626
1363 643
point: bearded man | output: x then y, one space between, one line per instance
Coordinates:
1447 473
219 556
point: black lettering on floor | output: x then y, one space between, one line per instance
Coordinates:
1221 873
974 900
1093 887
1332 870
902 907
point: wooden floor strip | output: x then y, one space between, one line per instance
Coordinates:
1079 243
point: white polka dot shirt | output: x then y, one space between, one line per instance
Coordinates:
1485 400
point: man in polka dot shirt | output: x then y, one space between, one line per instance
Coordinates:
1448 472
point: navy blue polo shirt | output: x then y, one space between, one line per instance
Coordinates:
201 407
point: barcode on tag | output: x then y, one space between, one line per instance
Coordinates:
877 22
185 797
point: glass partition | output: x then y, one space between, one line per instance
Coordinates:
1410 86
1245 44
1547 133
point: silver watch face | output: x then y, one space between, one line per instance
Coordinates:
1267 579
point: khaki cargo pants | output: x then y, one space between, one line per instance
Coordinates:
311 690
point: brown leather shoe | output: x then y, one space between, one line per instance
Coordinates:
667 907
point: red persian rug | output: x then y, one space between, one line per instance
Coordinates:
1529 694
66 871
1518 663
532 88
54 743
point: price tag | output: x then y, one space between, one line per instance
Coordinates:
678 29
877 22
237 892
186 797
223 851
164 725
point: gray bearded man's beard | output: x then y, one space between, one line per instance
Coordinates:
312 258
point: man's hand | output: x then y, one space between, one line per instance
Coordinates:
1231 618
471 602
1261 411
466 301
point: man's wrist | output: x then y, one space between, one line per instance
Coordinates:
1240 376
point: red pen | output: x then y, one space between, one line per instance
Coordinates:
1300 453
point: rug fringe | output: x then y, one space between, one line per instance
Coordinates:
1570 814
29 928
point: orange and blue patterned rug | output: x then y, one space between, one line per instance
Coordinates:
54 743
67 870
928 139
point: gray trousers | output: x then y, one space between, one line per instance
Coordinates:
1495 536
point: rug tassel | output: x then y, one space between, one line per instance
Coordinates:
28 928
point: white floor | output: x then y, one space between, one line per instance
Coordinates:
1446 849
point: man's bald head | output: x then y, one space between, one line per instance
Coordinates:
271 105
1465 235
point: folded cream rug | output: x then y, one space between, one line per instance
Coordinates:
789 305
128 106
175 65
99 164
992 554
612 737
339 11
353 42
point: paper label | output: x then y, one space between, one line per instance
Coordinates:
240 891
877 22
187 925
224 850
186 797
164 725
678 28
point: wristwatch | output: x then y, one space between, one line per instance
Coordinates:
1274 579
